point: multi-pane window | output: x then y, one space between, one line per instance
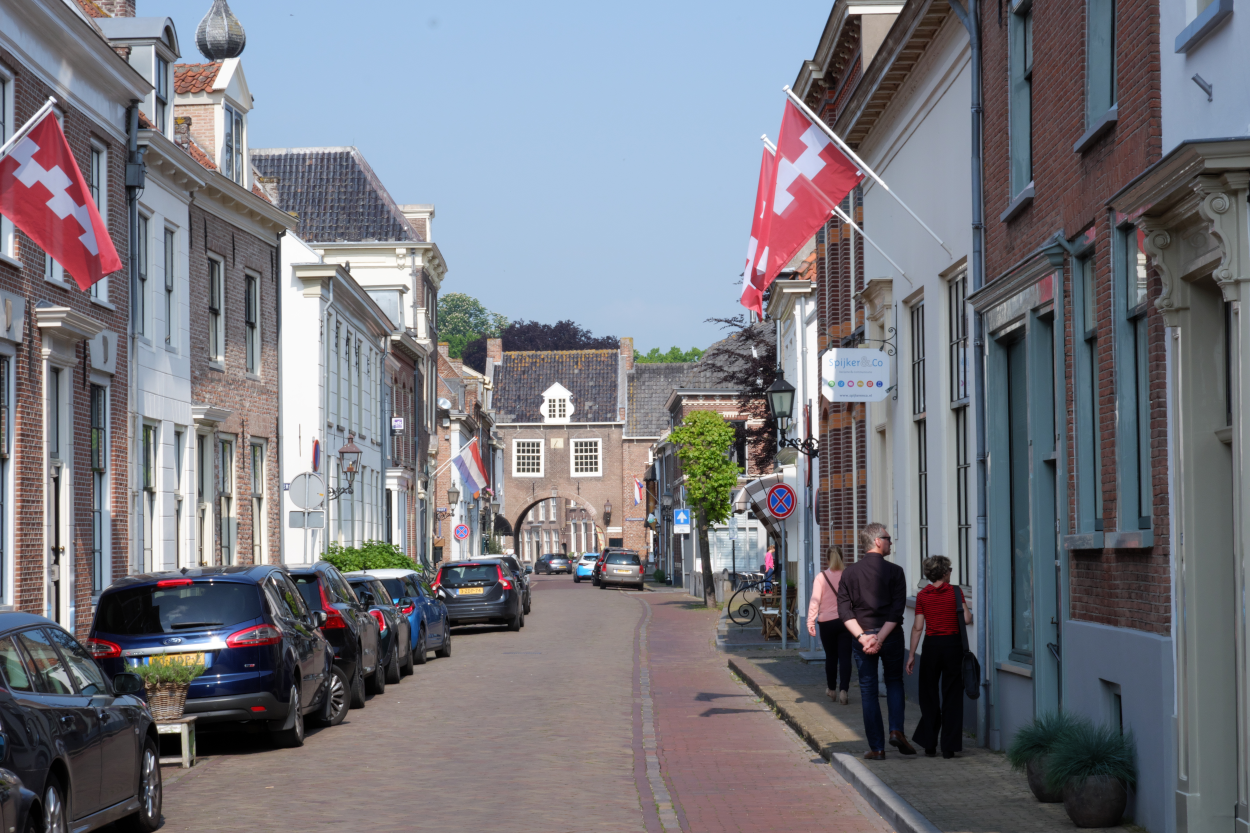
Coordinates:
1021 98
6 227
6 433
171 261
1088 405
258 502
99 471
918 409
1099 59
147 496
527 457
203 498
97 182
251 315
232 154
917 360
557 409
957 291
963 513
1134 395
162 92
141 269
216 322
225 488
586 457
179 449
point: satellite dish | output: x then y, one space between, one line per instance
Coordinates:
444 403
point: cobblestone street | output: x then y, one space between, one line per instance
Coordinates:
548 729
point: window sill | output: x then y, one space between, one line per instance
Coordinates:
1225 434
102 303
1140 539
254 377
1097 129
1083 541
956 404
1204 24
1013 668
920 417
11 261
60 284
1022 201
169 348
142 339
220 367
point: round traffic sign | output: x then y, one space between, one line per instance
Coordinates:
462 532
781 501
308 491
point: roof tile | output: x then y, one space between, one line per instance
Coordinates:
589 375
195 78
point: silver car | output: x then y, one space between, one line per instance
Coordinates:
622 567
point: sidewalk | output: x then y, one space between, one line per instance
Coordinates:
976 793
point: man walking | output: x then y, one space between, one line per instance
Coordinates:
871 599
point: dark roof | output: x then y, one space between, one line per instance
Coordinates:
590 376
335 194
649 388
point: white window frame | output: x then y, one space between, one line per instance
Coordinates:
7 515
8 233
236 141
542 458
98 178
557 407
260 541
143 271
162 105
251 323
598 444
218 327
228 522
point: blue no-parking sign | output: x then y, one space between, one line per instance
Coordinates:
681 521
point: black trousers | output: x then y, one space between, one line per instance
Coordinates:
836 640
941 694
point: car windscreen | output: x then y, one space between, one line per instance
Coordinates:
395 587
183 607
623 558
590 556
457 574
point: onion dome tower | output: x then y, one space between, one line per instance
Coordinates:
220 35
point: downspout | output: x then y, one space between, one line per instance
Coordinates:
276 261
971 19
808 572
135 176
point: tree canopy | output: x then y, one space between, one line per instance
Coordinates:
675 354
531 335
462 318
703 440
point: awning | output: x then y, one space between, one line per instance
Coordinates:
502 527
754 497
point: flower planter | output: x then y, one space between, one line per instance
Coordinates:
167 700
1036 770
1095 802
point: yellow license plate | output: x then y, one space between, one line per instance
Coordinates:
626 572
469 591
179 659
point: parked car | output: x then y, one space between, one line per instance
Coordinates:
622 567
553 563
598 568
585 566
427 615
352 633
78 751
396 646
264 655
480 591
523 579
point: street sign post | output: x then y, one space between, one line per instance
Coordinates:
308 494
681 521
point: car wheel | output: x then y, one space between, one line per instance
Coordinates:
55 809
515 624
294 737
522 618
150 796
528 603
642 586
420 654
444 650
576 579
358 684
334 707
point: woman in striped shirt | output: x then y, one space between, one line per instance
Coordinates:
941 661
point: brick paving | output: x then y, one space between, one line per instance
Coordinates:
609 711
976 792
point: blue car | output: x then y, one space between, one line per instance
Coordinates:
264 656
585 566
427 615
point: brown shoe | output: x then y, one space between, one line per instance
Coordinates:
899 741
843 697
875 755
831 694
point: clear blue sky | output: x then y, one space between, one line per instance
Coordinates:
588 160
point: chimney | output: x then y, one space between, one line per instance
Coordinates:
494 350
182 132
117 8
627 353
444 349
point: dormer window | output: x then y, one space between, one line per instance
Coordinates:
232 144
162 93
557 404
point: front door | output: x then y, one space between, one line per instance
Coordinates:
55 548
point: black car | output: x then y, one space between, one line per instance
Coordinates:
522 578
396 633
553 563
481 591
265 659
77 751
350 629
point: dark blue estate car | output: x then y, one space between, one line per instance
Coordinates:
427 615
264 656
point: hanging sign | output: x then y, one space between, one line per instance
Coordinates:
855 374
781 501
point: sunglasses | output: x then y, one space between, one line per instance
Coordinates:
885 538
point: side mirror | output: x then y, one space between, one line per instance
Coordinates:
442 594
406 601
367 598
319 618
528 569
127 683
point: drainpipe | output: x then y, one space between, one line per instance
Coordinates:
135 175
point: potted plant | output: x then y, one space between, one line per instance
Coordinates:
166 682
1032 746
1095 767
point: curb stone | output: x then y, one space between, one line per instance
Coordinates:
896 812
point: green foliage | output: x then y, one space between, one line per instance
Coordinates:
1040 737
374 555
703 440
658 575
494 546
674 354
462 318
159 672
1087 750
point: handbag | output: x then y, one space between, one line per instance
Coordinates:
971 666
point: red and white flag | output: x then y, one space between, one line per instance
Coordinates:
757 249
813 176
45 195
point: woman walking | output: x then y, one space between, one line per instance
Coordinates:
823 613
941 662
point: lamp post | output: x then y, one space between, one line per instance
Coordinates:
349 455
666 515
453 498
780 399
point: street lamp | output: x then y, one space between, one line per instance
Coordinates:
349 456
607 512
453 496
781 406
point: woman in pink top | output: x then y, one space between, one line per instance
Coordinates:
823 612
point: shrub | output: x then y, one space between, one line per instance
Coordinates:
374 555
1040 737
658 575
1086 750
158 672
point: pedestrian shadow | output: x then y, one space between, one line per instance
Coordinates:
713 712
707 696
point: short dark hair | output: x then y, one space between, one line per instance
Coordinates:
936 567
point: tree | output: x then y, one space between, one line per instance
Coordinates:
675 354
747 362
462 318
703 440
531 335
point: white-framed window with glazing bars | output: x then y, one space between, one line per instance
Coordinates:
586 458
251 318
258 501
918 410
99 484
170 252
957 309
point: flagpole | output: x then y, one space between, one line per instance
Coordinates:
842 215
24 129
819 122
439 470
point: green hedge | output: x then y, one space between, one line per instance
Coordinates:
374 555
